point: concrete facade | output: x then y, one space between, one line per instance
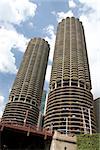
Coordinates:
97 110
70 106
25 97
63 142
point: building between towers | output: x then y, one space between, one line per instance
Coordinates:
70 106
25 97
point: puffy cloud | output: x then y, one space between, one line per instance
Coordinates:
13 12
16 11
91 22
62 15
72 4
91 3
10 39
1 100
51 39
2 104
94 6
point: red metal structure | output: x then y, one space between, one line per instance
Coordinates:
16 136
26 128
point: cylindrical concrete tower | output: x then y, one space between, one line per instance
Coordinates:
25 96
70 102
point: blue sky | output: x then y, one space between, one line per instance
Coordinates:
21 20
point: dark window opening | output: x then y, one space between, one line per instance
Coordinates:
65 148
33 102
12 98
81 84
16 98
58 83
27 100
65 82
22 99
22 96
53 86
74 82
87 86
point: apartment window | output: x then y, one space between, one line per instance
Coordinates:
33 102
87 86
12 98
27 100
81 84
53 85
65 82
16 98
59 83
22 99
74 82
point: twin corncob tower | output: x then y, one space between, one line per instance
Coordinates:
70 101
24 99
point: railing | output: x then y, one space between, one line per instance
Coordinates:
26 127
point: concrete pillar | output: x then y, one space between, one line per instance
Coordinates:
63 142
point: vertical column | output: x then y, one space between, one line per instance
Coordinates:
64 34
70 51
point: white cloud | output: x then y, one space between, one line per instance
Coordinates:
91 3
62 15
91 22
16 11
72 4
13 12
51 39
10 39
1 100
2 104
48 73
